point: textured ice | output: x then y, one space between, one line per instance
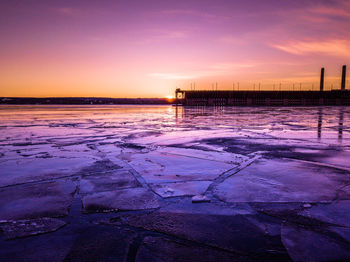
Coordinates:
188 188
46 199
220 156
284 181
107 182
304 244
225 232
157 249
38 169
30 227
166 167
124 199
337 213
240 183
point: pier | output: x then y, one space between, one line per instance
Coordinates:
266 98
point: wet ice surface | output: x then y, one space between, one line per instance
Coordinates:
160 183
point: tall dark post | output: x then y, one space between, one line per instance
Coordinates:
343 75
322 79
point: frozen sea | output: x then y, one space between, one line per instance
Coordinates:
166 183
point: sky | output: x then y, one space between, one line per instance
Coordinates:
148 48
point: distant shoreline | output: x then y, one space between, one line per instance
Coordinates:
83 101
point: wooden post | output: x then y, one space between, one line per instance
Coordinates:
343 76
322 79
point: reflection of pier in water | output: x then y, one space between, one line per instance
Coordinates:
340 126
319 125
340 122
182 112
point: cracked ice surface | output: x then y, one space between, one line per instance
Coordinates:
237 184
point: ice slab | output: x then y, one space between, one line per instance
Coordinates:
188 188
30 227
107 182
186 206
204 154
271 180
157 167
124 199
181 137
200 199
47 199
159 249
37 169
337 212
234 233
103 243
304 244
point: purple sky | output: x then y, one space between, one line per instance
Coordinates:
147 48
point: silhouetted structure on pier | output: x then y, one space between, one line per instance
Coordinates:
343 75
322 79
266 98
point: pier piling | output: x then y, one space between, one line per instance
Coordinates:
343 76
322 79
